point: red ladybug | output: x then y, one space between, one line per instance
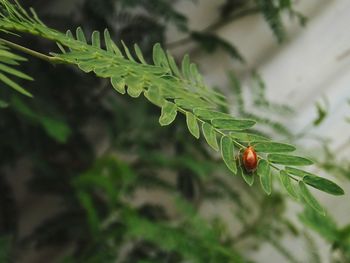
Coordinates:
250 159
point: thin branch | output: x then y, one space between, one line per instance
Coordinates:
52 60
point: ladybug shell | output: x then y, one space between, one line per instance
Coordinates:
250 159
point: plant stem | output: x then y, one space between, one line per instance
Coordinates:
52 60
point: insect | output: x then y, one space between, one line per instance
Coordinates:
250 159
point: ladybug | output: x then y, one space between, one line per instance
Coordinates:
250 159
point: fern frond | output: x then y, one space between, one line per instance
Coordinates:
173 90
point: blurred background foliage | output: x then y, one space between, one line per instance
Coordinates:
127 189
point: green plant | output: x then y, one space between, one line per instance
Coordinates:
165 86
96 195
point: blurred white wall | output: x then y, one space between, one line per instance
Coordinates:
313 63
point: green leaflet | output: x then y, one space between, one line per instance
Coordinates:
248 178
208 114
265 176
192 124
173 65
86 66
297 172
69 34
185 66
233 124
190 103
14 85
323 184
309 198
95 39
194 73
11 59
139 54
9 55
159 57
80 35
110 46
135 86
154 96
118 84
227 153
61 48
108 40
14 72
248 137
127 52
288 185
168 115
288 159
315 181
210 135
57 129
273 147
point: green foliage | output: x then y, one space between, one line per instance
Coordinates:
54 127
227 152
289 159
5 245
192 124
260 101
309 199
99 213
211 43
322 112
184 93
265 176
8 61
272 11
273 147
326 227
